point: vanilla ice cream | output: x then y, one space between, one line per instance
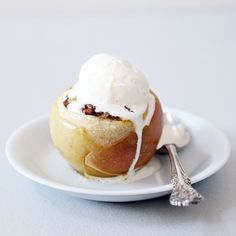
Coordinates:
113 85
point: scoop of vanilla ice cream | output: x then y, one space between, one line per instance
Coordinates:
112 85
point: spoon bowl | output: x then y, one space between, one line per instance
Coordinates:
174 132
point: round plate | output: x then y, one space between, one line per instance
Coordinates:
31 152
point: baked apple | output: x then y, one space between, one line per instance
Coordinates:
109 123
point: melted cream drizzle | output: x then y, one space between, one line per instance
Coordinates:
139 125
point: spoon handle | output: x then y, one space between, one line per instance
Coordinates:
183 194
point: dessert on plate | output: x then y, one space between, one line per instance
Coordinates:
108 123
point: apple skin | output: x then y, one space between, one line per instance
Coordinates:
88 157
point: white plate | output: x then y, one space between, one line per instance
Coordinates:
31 152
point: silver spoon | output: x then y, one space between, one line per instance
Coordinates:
176 136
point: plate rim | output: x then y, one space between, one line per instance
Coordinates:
116 193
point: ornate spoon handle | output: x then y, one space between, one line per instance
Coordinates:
183 194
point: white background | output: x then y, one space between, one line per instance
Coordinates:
52 7
189 57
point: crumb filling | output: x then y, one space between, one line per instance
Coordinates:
89 109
